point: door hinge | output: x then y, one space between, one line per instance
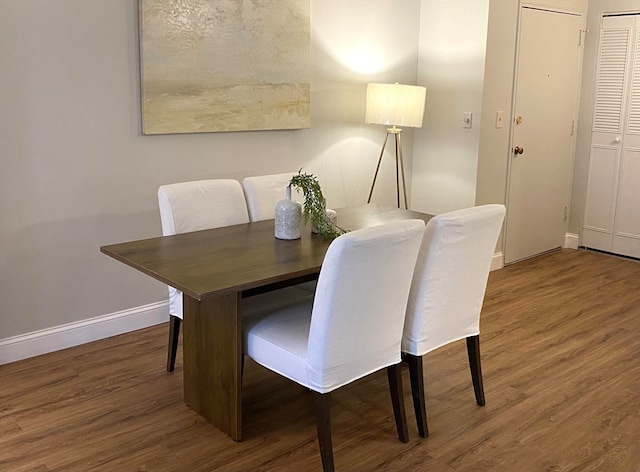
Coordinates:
566 211
580 36
573 127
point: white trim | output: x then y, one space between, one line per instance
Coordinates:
73 334
571 241
497 261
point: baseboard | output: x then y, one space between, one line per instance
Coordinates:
73 334
571 241
497 261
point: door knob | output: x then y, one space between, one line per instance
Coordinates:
518 150
617 140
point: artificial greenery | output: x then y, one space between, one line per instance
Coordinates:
315 205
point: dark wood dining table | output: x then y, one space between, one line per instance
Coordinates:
215 269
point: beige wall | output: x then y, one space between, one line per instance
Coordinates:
76 173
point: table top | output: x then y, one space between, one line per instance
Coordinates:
236 258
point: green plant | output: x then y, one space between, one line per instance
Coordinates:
315 205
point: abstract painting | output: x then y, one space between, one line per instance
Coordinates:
224 65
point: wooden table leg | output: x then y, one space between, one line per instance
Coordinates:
212 346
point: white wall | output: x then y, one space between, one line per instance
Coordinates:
76 173
453 37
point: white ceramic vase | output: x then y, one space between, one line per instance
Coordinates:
288 215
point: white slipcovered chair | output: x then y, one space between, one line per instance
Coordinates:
264 191
193 206
353 326
447 292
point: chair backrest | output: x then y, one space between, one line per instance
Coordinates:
197 205
360 302
450 278
264 191
201 204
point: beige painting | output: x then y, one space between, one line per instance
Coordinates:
224 65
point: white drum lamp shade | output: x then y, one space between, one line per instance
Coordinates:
395 105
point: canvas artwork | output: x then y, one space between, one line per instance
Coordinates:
224 65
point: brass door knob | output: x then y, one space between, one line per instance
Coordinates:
518 150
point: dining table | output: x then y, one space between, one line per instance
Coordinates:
215 269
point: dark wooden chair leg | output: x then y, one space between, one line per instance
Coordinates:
394 373
473 350
323 423
174 334
417 392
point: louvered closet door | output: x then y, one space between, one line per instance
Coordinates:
612 210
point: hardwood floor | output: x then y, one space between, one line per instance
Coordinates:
560 341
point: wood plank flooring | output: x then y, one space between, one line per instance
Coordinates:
560 341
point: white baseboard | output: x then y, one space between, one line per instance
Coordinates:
497 261
73 334
571 241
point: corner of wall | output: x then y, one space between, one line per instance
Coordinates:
571 241
497 261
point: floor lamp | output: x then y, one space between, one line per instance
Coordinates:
396 105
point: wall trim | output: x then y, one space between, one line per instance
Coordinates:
497 261
571 241
73 334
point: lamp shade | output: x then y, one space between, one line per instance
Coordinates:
395 104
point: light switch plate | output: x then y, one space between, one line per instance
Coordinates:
467 119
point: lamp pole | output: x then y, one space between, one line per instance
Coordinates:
399 166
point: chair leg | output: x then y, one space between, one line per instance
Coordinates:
174 334
323 423
394 373
417 392
473 350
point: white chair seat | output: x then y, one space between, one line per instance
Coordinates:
281 339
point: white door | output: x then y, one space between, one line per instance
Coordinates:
612 207
546 106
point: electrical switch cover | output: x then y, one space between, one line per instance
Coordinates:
467 119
